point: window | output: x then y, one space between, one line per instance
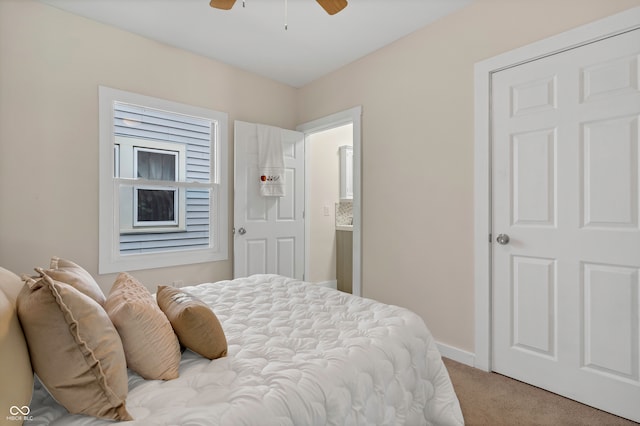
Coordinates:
155 207
162 199
147 208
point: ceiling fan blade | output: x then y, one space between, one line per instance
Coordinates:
222 4
332 6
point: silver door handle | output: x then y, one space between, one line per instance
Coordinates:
242 231
502 239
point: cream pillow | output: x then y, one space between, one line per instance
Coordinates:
70 273
150 345
193 321
16 385
75 350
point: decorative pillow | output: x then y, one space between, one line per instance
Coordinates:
75 350
150 345
193 321
16 385
70 273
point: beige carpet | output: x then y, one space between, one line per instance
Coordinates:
492 399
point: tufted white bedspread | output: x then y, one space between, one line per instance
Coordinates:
299 354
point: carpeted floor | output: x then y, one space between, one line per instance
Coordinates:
494 400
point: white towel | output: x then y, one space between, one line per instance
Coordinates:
270 161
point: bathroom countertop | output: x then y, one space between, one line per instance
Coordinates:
344 227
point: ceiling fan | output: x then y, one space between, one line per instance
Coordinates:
330 6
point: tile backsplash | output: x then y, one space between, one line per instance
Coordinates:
344 213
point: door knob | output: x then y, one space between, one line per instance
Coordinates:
502 239
242 231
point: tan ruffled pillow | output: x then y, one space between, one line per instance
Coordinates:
75 350
193 321
150 345
70 273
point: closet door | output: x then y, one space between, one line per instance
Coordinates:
565 206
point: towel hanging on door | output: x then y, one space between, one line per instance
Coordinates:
270 161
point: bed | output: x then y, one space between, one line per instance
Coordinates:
298 354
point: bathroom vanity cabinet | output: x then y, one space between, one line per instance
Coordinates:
344 260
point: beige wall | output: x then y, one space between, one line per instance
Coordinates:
417 140
324 191
51 63
417 149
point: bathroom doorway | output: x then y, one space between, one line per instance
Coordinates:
332 201
330 207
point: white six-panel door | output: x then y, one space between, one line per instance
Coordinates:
565 190
269 231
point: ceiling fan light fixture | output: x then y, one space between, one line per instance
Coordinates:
222 4
332 6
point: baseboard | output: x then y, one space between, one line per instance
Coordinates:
331 284
463 357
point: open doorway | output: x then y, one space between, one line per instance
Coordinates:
330 207
326 214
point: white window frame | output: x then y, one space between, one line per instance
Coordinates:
110 258
157 225
126 149
177 200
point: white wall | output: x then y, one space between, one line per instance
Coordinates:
51 64
324 191
417 146
417 149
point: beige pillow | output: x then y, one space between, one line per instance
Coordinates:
75 350
150 345
193 321
70 273
16 385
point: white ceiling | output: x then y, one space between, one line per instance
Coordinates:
253 37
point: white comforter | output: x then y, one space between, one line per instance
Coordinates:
299 354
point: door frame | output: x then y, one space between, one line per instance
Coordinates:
354 116
607 27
